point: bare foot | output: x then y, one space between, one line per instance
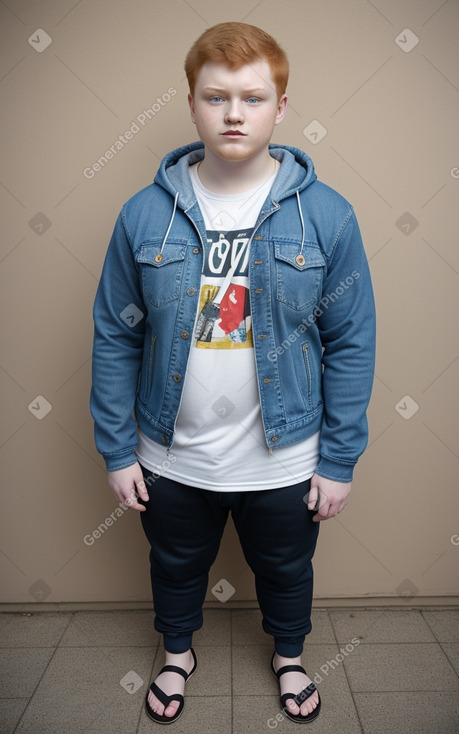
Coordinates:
171 682
295 682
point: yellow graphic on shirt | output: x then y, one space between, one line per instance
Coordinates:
224 320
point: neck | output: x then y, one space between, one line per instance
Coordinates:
235 177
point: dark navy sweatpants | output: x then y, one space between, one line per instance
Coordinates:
184 526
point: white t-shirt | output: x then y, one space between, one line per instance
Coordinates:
219 442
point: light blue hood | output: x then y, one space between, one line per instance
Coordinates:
295 174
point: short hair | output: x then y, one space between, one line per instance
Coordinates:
237 44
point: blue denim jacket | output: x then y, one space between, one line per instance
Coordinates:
311 303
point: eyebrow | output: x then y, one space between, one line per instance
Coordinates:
221 89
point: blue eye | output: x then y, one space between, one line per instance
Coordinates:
253 100
216 99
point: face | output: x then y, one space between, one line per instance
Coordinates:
235 111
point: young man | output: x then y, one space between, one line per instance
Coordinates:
235 317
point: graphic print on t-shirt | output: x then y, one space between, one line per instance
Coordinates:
224 320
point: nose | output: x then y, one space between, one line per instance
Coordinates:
234 113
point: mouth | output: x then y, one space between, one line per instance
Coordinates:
234 134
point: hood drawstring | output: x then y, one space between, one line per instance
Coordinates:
300 258
160 256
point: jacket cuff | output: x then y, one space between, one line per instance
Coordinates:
113 462
334 470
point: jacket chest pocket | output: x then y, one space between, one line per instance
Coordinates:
161 272
298 274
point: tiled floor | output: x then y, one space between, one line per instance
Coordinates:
88 672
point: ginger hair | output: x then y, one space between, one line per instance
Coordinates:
237 44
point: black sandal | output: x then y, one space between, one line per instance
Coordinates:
166 700
300 697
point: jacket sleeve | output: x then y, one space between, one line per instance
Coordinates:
347 331
119 319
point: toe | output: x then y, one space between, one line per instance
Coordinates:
156 705
171 709
308 706
292 706
306 709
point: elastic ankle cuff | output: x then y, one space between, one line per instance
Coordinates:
177 645
287 649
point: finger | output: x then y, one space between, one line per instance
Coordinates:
142 490
134 505
322 504
312 498
131 502
323 513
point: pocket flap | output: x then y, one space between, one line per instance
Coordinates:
289 252
152 255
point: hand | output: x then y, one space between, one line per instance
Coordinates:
333 497
125 482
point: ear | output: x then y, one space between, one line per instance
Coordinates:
281 109
191 104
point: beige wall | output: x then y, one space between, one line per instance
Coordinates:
391 115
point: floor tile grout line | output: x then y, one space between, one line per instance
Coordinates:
399 642
422 611
142 647
35 689
76 647
103 647
79 615
419 611
447 656
448 660
148 688
245 644
373 691
346 676
56 647
330 612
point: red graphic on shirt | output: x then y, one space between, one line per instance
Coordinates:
232 308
